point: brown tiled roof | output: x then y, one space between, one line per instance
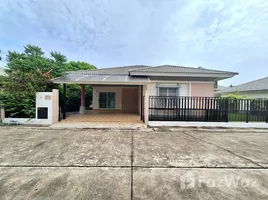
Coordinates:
151 69
257 85
110 71
180 69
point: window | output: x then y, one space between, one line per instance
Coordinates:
107 99
168 92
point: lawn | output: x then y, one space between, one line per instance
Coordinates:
241 117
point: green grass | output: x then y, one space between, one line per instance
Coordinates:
239 117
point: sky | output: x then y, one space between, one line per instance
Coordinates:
217 34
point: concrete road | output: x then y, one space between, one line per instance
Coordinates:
191 148
44 163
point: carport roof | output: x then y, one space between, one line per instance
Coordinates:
101 79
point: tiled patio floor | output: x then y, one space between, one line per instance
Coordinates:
103 118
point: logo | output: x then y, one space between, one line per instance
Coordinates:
188 180
191 180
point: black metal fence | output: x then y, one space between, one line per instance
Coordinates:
211 109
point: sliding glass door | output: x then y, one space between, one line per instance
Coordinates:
107 100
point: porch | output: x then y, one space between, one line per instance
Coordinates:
101 117
95 119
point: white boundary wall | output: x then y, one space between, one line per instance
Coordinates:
43 99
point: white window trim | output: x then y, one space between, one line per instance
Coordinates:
177 89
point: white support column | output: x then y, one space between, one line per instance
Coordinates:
2 113
146 106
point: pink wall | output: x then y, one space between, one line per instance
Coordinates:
202 89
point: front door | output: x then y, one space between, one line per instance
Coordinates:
130 100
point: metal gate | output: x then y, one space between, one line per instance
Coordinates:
213 109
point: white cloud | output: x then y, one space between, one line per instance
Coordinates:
221 34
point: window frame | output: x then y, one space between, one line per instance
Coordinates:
107 100
168 87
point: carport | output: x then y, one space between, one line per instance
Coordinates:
116 98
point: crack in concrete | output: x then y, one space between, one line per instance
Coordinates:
129 167
67 166
132 161
229 151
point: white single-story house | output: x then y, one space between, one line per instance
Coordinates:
254 89
127 89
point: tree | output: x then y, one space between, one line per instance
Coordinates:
20 89
26 74
30 72
73 66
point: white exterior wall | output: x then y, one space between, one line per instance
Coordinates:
118 96
250 94
184 88
51 101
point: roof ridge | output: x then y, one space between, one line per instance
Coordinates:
116 67
184 67
141 68
199 67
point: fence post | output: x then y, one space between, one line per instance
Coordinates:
227 110
64 101
266 111
247 111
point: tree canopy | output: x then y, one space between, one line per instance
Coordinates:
73 66
30 72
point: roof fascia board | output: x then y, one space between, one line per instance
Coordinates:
101 83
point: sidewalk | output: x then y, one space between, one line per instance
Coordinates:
101 125
209 124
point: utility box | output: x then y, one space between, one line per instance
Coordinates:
42 113
47 107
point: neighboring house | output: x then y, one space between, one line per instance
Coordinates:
217 89
220 88
254 89
127 89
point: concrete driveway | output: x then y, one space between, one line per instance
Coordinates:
44 163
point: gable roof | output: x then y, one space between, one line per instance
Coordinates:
131 73
257 85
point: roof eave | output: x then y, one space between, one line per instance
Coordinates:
101 83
